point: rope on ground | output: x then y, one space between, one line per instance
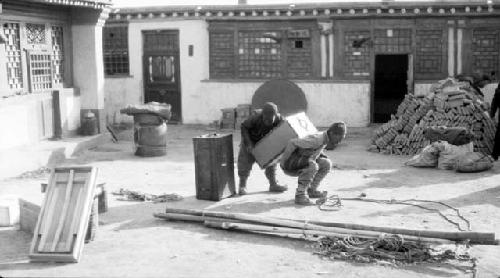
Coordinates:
334 202
129 195
393 250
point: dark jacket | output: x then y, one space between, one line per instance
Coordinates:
253 128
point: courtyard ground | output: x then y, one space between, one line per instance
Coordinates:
130 242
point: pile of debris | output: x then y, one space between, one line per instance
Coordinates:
449 103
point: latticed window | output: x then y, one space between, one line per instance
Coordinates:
13 49
115 44
357 53
40 71
260 54
35 33
222 54
485 50
429 56
57 55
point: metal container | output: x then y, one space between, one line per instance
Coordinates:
214 166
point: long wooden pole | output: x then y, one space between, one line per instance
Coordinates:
473 237
285 230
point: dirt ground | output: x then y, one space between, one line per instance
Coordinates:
130 242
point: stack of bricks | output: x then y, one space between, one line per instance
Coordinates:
450 103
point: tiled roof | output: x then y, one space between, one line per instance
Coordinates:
312 10
96 4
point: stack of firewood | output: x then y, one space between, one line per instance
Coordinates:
450 103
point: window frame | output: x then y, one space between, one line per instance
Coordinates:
282 27
124 47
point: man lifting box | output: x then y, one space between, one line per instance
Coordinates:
253 130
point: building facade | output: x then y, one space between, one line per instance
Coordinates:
51 67
353 61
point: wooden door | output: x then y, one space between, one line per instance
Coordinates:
161 69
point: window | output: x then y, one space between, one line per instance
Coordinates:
57 55
260 54
115 44
40 71
13 49
485 50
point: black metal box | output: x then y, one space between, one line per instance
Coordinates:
214 166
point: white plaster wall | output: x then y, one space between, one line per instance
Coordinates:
327 102
88 72
118 93
70 114
16 125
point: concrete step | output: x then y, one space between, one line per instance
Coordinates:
46 153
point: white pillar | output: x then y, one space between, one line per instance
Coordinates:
325 30
88 69
323 56
460 43
330 54
451 50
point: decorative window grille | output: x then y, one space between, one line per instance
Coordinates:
115 44
222 54
57 55
281 52
485 50
13 51
259 54
357 53
35 33
429 51
40 71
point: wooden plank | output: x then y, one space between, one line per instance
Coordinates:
74 220
62 218
42 216
89 193
48 218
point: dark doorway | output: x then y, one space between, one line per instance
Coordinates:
391 75
162 69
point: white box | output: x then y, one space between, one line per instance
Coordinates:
9 211
268 150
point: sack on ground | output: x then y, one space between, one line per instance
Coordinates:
449 154
427 158
473 162
453 135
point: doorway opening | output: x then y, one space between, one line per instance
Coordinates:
390 88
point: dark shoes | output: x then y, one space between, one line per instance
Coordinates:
242 191
313 193
302 200
277 188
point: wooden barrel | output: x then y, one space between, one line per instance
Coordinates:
150 135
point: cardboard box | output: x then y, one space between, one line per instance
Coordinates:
268 150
